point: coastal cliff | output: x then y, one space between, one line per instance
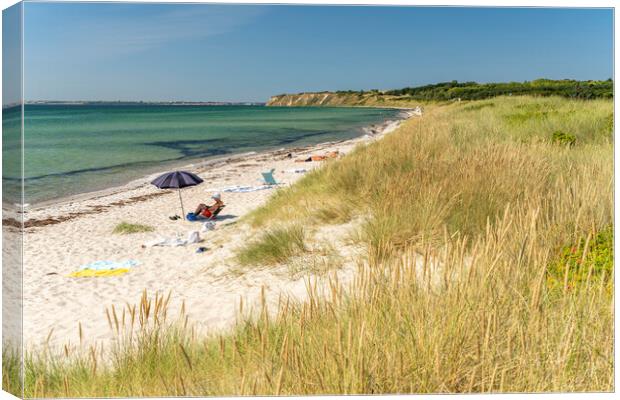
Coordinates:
372 98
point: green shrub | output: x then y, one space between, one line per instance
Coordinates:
564 138
597 262
539 87
274 246
125 228
479 106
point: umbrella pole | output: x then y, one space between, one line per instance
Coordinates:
181 200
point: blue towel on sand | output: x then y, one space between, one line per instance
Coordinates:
193 217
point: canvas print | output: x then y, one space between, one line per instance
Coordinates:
215 199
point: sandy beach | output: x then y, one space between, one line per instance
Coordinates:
61 237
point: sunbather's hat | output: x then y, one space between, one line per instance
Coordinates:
216 196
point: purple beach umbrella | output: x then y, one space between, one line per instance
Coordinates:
177 180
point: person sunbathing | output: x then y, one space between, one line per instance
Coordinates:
208 212
331 154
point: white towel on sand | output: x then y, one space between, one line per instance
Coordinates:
241 189
192 237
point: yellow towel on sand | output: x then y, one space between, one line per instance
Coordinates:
88 273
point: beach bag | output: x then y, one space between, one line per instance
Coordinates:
193 237
208 226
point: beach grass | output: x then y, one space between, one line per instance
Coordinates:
470 283
453 169
125 228
11 370
274 246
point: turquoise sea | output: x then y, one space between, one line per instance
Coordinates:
71 149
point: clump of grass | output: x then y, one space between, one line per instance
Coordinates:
609 124
563 138
11 370
275 245
125 228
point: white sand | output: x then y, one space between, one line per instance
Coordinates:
208 283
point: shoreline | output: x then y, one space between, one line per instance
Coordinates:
134 183
201 165
157 168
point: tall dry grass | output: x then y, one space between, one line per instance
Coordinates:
465 211
455 168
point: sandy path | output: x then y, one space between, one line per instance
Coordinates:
206 282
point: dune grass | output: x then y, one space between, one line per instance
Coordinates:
469 286
453 169
274 246
125 228
11 370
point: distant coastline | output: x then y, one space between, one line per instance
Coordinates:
142 103
132 103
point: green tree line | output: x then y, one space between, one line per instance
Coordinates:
476 91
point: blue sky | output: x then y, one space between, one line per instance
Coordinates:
110 51
11 50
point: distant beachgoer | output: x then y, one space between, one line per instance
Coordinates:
331 154
210 211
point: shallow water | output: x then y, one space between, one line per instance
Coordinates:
72 149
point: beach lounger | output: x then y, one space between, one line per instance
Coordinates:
268 177
216 212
